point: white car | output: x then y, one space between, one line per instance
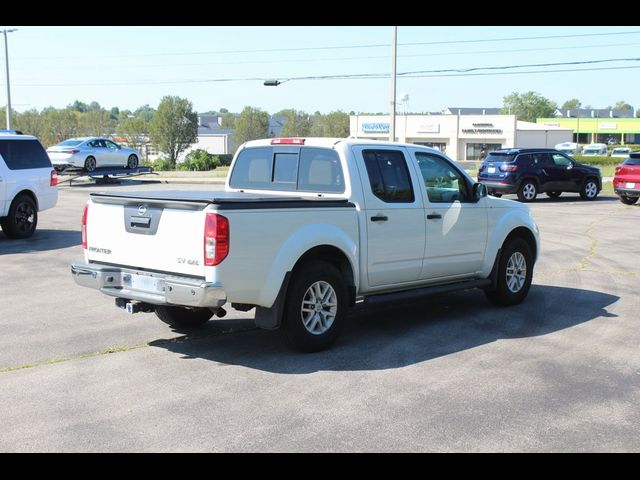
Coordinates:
305 228
620 152
27 183
90 153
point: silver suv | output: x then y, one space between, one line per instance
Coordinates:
27 183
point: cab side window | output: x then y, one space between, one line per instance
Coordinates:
389 175
443 183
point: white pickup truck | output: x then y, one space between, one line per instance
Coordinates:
305 228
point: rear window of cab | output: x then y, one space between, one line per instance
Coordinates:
499 157
303 169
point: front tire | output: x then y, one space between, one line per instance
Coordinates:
90 164
22 219
589 190
628 200
316 307
183 317
132 162
528 191
515 271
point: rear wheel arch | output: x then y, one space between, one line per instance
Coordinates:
28 193
337 258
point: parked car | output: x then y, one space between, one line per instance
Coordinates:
305 228
529 171
626 182
570 148
620 152
90 153
595 150
27 183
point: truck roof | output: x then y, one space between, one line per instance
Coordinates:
327 142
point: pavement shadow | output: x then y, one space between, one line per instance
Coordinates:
42 240
395 336
566 198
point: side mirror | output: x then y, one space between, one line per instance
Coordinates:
479 190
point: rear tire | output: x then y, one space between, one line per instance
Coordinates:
589 190
22 219
183 317
132 162
515 271
528 191
316 307
553 194
90 164
628 200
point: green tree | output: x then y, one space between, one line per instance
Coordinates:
96 122
298 123
136 131
571 104
174 126
334 124
30 123
79 106
228 120
528 106
251 124
59 125
621 105
145 112
115 113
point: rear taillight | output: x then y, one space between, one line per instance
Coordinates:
71 152
508 168
216 239
84 226
54 178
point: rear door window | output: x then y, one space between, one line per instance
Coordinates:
24 154
389 175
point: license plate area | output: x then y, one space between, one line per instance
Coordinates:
630 185
491 169
144 283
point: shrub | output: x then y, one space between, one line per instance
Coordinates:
225 159
160 165
199 160
596 160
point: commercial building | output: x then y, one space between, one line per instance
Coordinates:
463 137
612 126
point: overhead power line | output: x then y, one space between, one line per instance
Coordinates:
339 59
357 46
409 74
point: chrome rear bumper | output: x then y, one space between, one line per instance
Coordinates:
153 288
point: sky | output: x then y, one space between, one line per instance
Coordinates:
128 67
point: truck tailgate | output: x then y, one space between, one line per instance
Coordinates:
147 233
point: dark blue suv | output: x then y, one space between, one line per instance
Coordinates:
529 171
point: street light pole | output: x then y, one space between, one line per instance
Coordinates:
394 49
6 58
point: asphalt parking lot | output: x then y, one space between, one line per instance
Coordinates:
561 372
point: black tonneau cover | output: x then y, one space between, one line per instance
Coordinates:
226 200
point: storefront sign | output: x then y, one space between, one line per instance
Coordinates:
607 125
375 127
482 128
428 128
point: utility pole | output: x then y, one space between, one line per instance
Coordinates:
394 51
6 58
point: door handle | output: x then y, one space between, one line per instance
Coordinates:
432 216
379 218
